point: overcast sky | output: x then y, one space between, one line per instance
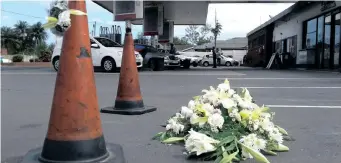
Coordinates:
237 19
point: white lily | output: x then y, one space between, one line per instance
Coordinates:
246 95
224 86
191 104
174 126
199 143
195 118
228 103
186 112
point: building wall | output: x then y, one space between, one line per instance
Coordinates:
293 25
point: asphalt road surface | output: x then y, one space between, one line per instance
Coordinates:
307 105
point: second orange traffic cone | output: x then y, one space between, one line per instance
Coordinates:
129 99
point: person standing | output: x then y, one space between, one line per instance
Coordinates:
172 49
214 57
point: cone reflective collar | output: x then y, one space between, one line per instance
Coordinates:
74 131
129 99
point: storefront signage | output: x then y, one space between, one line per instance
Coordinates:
327 5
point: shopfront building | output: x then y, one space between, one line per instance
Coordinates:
310 33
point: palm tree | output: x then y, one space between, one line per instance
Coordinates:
21 28
37 32
216 32
9 39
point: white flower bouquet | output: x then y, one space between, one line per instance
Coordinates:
226 126
59 19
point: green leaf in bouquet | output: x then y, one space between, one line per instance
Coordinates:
244 123
163 136
245 114
282 131
157 136
288 138
196 97
257 155
226 140
268 152
228 158
218 159
271 145
265 108
231 147
282 148
173 140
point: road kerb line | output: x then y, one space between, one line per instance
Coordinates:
290 87
279 78
304 106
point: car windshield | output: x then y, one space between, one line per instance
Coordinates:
107 42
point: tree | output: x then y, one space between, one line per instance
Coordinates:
198 36
37 32
180 41
192 34
9 39
22 30
216 32
23 37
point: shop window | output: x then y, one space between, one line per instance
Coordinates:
310 36
311 40
311 25
320 29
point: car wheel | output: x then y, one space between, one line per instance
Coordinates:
108 64
228 64
195 64
56 63
205 64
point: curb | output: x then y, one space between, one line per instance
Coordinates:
27 64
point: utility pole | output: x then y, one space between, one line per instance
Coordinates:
215 41
215 25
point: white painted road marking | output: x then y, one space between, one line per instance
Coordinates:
304 106
290 87
141 74
279 78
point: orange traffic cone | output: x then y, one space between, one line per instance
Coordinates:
129 99
75 130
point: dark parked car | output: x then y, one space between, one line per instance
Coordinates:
153 58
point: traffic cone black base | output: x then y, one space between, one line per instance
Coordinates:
114 155
136 111
128 108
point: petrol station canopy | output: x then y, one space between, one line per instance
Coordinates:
181 12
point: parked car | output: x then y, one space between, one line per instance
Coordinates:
150 54
187 61
221 60
4 60
105 53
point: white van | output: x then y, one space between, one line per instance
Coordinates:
105 53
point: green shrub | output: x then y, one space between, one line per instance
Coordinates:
45 56
17 58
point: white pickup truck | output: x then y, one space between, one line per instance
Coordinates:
105 53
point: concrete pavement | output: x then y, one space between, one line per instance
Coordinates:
27 97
